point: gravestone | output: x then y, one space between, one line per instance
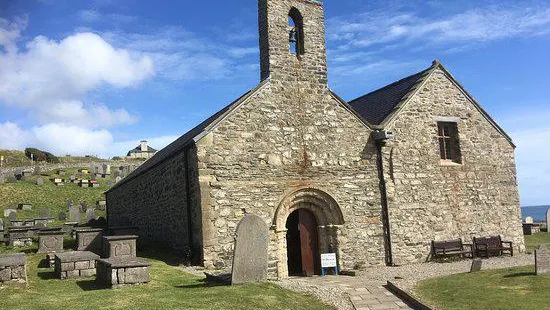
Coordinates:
73 177
62 216
250 254
13 215
39 181
37 170
542 260
69 204
45 213
74 214
11 179
7 212
83 206
90 214
1 225
476 265
548 219
528 220
118 179
2 179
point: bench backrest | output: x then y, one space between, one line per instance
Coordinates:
448 245
491 242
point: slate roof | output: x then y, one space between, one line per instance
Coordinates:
137 149
376 106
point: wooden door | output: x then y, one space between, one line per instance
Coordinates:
309 244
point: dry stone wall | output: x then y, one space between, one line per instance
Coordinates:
429 200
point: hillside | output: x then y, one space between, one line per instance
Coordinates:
14 158
48 195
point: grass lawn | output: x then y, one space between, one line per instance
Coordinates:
512 288
48 195
533 241
170 288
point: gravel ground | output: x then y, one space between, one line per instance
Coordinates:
406 277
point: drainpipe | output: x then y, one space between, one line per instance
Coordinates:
380 138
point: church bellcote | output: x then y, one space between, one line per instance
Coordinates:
292 41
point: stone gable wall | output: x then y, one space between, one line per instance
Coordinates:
155 202
428 200
275 144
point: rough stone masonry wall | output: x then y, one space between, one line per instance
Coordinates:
275 144
429 200
155 202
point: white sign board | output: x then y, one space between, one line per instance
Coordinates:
328 260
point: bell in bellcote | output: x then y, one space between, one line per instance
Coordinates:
292 35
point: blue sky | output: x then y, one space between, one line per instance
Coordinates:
97 76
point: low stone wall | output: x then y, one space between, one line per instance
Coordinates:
12 268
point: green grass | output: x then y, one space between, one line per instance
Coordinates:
533 241
170 288
48 195
512 288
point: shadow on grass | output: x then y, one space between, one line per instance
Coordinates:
203 284
47 275
520 274
45 263
92 285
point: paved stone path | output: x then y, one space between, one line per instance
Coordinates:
364 295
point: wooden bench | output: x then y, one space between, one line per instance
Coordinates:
451 248
486 246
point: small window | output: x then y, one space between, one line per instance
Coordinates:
449 144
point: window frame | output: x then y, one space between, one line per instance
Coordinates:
448 140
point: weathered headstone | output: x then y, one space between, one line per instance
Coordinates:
83 206
476 265
45 213
39 181
62 216
1 224
90 214
250 254
529 220
118 179
548 219
542 260
7 212
74 214
11 179
73 177
12 215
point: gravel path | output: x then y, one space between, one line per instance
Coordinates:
406 277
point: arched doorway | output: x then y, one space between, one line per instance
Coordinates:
302 239
318 210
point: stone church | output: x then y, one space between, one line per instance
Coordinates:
374 179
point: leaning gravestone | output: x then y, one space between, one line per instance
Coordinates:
250 254
39 181
74 214
476 265
542 260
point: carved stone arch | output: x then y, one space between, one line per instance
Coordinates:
328 215
323 206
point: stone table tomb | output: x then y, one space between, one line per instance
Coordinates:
120 271
50 241
21 236
123 230
119 246
12 268
89 239
79 264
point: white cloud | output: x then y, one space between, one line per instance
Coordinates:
479 25
52 78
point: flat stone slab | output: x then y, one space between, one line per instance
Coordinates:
17 259
117 238
76 256
125 262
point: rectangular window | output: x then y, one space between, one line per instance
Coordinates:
449 145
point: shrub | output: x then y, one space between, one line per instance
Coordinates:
39 155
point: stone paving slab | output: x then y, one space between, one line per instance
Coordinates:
364 295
